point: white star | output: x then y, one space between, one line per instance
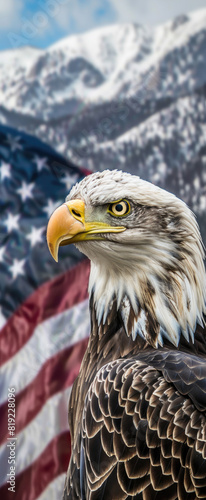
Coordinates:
40 163
5 170
69 180
17 268
35 236
11 222
26 190
51 206
14 142
2 318
2 250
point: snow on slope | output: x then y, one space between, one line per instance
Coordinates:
94 67
125 96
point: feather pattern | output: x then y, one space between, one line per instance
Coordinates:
142 431
137 411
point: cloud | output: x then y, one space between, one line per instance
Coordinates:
52 19
10 14
82 15
152 12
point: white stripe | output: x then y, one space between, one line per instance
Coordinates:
49 338
33 439
54 490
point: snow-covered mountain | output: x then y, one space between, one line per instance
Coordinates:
123 96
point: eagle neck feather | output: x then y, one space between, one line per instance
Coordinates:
156 308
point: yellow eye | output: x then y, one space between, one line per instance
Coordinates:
119 208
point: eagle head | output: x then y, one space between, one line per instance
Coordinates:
146 254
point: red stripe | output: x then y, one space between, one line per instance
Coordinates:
51 298
86 171
55 375
33 480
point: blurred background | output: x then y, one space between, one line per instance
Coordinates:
84 85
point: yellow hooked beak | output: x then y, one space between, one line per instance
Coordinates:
67 225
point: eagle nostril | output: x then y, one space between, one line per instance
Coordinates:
76 213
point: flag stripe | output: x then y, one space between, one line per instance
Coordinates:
44 316
55 489
51 298
50 337
50 421
33 480
56 374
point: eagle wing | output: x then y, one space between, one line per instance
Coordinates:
143 431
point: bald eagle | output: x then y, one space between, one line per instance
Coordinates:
137 412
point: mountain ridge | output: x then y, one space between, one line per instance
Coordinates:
123 96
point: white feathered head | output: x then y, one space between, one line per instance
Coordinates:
145 250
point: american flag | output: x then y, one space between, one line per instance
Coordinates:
44 319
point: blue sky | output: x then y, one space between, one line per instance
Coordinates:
42 22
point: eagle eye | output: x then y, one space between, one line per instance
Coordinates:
119 208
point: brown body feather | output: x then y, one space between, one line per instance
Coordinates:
138 418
